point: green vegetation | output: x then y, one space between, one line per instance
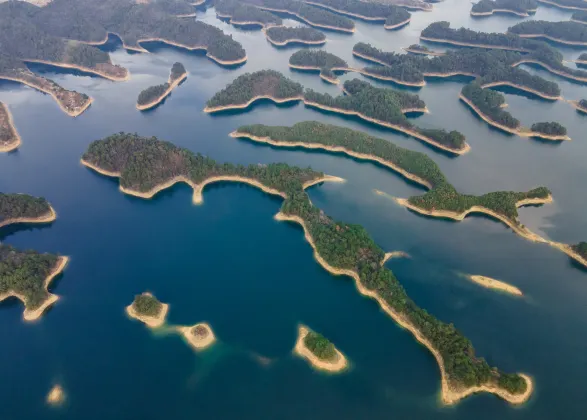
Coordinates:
145 162
414 47
582 103
14 206
580 16
146 304
177 71
158 92
250 85
24 273
241 12
568 4
564 32
286 34
318 59
390 14
320 346
490 104
549 128
581 249
522 7
311 15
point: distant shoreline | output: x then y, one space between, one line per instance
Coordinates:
157 101
339 364
550 38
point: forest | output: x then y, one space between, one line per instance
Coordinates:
240 12
8 135
250 85
490 104
318 59
518 6
390 14
564 31
320 346
24 273
579 16
13 206
312 15
158 92
549 128
285 34
146 162
146 304
581 249
413 47
177 71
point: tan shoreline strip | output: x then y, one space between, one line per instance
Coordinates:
293 41
520 14
55 396
157 101
251 101
33 315
551 38
196 342
413 51
398 25
10 126
552 70
490 283
48 217
317 25
84 69
337 365
394 254
518 131
150 321
449 394
194 48
578 107
524 88
470 44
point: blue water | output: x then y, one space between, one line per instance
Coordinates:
228 262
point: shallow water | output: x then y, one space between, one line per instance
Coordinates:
228 262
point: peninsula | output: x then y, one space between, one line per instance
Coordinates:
243 14
199 336
9 138
341 248
580 17
521 8
319 60
23 208
154 95
284 35
566 32
320 352
147 309
490 283
566 4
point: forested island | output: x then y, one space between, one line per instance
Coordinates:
284 35
342 249
580 105
392 16
24 208
420 49
522 8
312 15
319 60
489 104
490 67
147 309
199 336
537 52
154 95
240 13
319 351
26 275
567 32
250 87
499 285
566 4
579 16
9 138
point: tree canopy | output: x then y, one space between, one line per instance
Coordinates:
285 34
14 206
146 304
320 346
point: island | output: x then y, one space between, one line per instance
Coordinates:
243 14
580 252
421 49
56 395
24 208
521 8
341 248
320 352
311 15
409 4
394 254
147 309
579 16
251 87
9 138
285 35
580 105
536 52
199 336
566 4
489 105
318 60
498 285
582 59
566 32
392 16
154 95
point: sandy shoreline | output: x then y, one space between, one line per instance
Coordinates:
520 14
469 44
339 364
172 85
578 107
317 25
435 53
196 342
524 88
397 25
293 41
48 217
251 101
518 131
150 321
552 70
84 69
394 254
550 38
193 48
449 394
562 6
490 283
16 140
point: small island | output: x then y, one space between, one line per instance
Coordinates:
582 59
521 8
56 395
9 138
199 336
566 32
311 15
250 87
243 14
580 105
284 35
499 285
147 309
319 60
566 4
23 208
421 49
580 17
154 95
320 352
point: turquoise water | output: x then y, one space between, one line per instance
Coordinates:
228 262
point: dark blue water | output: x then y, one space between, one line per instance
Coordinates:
228 262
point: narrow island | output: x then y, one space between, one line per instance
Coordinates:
311 15
154 95
199 336
320 352
9 138
23 208
421 49
243 14
521 8
566 32
489 104
318 60
56 395
566 4
579 17
147 309
580 105
498 285
281 36
394 254
341 248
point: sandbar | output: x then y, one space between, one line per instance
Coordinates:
449 394
197 342
337 365
251 101
494 284
157 101
150 321
56 395
16 141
